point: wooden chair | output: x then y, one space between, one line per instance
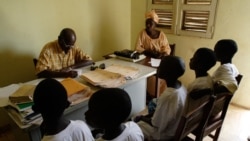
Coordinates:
215 122
194 119
172 47
34 61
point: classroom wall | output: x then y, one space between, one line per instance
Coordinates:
26 25
102 27
232 21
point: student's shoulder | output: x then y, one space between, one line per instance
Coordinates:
78 124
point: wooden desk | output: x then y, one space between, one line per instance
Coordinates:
135 87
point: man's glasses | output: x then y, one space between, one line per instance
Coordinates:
67 46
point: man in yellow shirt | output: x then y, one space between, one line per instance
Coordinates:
59 57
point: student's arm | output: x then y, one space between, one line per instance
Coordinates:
196 94
147 120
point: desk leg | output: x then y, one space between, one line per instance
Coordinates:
137 93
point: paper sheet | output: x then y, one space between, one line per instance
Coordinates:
104 78
155 62
127 71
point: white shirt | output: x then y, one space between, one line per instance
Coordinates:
165 120
205 82
77 130
226 74
132 132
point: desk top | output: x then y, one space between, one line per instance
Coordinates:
144 72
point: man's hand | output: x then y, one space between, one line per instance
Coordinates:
72 74
67 69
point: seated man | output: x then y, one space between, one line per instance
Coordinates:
59 57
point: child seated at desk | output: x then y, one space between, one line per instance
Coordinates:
108 109
162 124
50 99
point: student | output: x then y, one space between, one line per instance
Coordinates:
50 99
153 43
225 74
59 57
108 109
170 104
201 62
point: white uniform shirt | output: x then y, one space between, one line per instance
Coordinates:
165 120
77 130
205 82
132 132
226 74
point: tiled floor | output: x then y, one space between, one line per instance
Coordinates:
236 126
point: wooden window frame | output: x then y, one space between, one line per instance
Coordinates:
178 8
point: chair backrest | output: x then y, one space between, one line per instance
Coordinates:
172 47
215 122
238 78
194 119
35 61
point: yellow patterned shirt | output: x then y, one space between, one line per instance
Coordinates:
53 58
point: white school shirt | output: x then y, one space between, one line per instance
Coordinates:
132 132
226 74
77 130
168 112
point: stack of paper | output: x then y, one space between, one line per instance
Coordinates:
21 103
76 91
127 71
104 78
23 94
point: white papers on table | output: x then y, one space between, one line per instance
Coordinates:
127 71
104 78
155 62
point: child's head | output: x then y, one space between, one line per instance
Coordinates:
225 49
50 99
203 60
171 68
108 108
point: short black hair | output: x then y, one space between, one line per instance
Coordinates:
67 33
204 59
171 66
50 98
225 48
111 105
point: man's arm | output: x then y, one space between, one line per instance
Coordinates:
52 74
82 63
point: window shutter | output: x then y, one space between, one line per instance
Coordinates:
165 10
196 18
185 17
